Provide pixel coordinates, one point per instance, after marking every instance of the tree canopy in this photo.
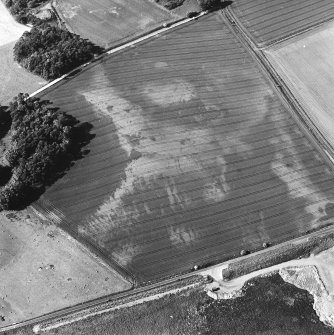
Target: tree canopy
(43, 144)
(20, 9)
(50, 51)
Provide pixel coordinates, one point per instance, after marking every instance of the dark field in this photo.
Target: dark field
(194, 159)
(269, 306)
(106, 22)
(271, 20)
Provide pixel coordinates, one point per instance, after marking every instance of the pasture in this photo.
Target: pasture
(106, 22)
(194, 158)
(271, 20)
(42, 269)
(13, 78)
(307, 67)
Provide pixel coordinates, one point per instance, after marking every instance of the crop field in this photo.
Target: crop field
(306, 64)
(194, 156)
(106, 22)
(271, 20)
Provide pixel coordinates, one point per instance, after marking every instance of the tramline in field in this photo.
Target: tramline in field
(270, 20)
(194, 159)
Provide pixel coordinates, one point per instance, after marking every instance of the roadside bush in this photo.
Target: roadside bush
(170, 4)
(43, 144)
(192, 14)
(51, 51)
(209, 4)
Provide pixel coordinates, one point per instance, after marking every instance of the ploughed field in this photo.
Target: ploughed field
(105, 22)
(271, 20)
(194, 159)
(306, 64)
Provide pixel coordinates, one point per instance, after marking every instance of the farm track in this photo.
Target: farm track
(270, 21)
(232, 137)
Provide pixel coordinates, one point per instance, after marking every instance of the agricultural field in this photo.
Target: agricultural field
(13, 78)
(194, 157)
(42, 269)
(106, 22)
(271, 20)
(306, 65)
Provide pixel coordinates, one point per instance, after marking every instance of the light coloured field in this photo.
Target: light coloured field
(306, 64)
(13, 78)
(106, 22)
(42, 269)
(10, 30)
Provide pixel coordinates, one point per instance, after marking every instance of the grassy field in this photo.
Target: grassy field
(271, 20)
(42, 269)
(13, 78)
(268, 306)
(194, 159)
(10, 30)
(307, 67)
(107, 22)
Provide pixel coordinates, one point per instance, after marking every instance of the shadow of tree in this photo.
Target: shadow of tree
(18, 194)
(217, 5)
(5, 121)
